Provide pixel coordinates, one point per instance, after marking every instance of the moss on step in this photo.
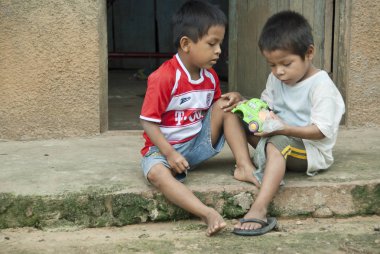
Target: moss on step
(103, 208)
(367, 199)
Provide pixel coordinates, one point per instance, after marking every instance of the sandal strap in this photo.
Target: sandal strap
(261, 222)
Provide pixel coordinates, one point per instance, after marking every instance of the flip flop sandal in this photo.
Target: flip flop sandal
(265, 227)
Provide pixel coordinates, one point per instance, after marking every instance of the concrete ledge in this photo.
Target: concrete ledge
(97, 208)
(97, 181)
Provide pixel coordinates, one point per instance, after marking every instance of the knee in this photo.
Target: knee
(219, 108)
(272, 151)
(157, 174)
(220, 101)
(219, 104)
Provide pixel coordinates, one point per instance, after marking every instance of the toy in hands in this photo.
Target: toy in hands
(253, 112)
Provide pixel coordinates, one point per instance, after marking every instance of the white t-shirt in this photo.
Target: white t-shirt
(315, 100)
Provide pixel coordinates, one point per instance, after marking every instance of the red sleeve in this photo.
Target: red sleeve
(158, 94)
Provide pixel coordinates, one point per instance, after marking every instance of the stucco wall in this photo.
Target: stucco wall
(53, 68)
(363, 81)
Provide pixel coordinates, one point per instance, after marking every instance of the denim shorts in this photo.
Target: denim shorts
(196, 150)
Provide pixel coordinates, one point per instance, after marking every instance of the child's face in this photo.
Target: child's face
(288, 67)
(206, 51)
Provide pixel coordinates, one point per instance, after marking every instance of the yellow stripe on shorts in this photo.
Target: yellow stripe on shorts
(294, 152)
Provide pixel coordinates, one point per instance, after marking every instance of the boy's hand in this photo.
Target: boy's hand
(269, 134)
(264, 134)
(231, 100)
(177, 162)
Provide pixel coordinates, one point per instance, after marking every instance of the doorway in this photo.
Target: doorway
(139, 41)
(248, 68)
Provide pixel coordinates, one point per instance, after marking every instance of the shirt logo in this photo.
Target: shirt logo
(183, 100)
(208, 99)
(179, 116)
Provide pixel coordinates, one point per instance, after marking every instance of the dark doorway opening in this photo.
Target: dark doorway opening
(139, 41)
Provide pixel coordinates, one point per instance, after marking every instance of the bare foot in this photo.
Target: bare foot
(246, 175)
(261, 215)
(214, 222)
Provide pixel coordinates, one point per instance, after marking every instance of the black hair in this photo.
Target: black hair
(194, 19)
(286, 30)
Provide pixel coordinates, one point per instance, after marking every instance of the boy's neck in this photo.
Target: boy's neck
(310, 72)
(191, 69)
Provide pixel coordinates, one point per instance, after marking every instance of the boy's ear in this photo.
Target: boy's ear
(184, 43)
(310, 52)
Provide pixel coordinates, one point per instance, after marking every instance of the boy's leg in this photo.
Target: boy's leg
(252, 139)
(283, 153)
(162, 178)
(273, 174)
(237, 140)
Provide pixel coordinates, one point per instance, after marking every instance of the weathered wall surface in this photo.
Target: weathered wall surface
(53, 68)
(363, 81)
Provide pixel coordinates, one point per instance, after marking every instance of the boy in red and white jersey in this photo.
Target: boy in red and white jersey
(177, 102)
(185, 118)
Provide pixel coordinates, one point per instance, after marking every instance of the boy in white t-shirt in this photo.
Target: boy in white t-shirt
(308, 103)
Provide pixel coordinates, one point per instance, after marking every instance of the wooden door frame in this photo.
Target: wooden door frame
(232, 46)
(341, 45)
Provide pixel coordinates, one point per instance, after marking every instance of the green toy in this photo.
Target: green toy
(253, 113)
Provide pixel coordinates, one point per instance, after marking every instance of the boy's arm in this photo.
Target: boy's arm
(311, 132)
(177, 162)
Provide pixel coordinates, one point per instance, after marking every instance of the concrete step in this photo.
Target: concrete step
(97, 181)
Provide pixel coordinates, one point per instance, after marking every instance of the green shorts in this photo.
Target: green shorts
(293, 150)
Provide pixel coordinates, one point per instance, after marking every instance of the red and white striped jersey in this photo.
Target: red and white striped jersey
(178, 103)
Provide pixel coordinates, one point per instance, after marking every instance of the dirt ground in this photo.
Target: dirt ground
(345, 235)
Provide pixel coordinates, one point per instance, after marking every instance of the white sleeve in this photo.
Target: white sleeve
(324, 108)
(267, 94)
